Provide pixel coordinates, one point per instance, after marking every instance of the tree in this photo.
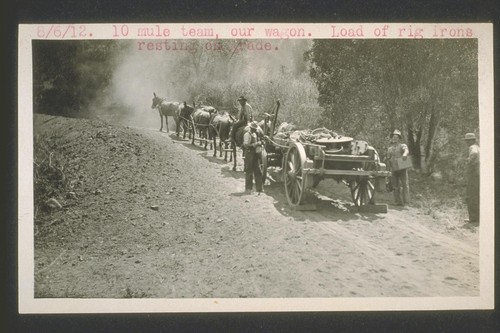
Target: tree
(69, 75)
(419, 86)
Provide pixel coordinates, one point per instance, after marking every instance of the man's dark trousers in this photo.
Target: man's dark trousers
(252, 169)
(472, 196)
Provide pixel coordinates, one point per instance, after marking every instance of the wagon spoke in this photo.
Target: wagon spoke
(367, 194)
(355, 190)
(363, 192)
(293, 193)
(371, 186)
(293, 164)
(298, 196)
(299, 187)
(296, 161)
(370, 191)
(359, 197)
(360, 193)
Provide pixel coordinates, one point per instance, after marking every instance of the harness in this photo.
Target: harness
(162, 99)
(191, 119)
(209, 125)
(198, 124)
(158, 106)
(217, 131)
(215, 128)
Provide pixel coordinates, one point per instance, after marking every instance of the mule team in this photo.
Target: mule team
(210, 123)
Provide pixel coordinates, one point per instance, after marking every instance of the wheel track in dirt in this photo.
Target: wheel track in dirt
(406, 266)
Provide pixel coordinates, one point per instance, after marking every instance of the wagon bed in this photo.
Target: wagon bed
(307, 157)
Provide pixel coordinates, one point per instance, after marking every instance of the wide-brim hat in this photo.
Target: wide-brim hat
(254, 125)
(470, 136)
(396, 132)
(242, 99)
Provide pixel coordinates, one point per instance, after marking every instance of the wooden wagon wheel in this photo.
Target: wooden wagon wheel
(295, 179)
(362, 191)
(263, 164)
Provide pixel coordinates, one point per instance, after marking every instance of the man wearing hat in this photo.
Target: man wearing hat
(245, 115)
(472, 192)
(399, 177)
(251, 144)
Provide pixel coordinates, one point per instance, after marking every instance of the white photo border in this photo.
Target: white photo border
(483, 32)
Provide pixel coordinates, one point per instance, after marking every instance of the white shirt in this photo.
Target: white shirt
(249, 138)
(246, 109)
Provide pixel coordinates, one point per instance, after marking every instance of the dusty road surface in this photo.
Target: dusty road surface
(157, 217)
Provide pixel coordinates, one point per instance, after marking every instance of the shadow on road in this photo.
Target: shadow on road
(316, 207)
(176, 138)
(227, 171)
(240, 194)
(209, 156)
(205, 153)
(188, 144)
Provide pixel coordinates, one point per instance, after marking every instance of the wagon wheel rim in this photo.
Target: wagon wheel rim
(294, 177)
(362, 191)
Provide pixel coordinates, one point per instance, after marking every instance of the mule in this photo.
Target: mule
(166, 109)
(201, 118)
(220, 125)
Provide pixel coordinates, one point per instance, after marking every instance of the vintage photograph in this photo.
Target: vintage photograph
(256, 168)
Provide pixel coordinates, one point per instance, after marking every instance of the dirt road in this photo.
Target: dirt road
(157, 217)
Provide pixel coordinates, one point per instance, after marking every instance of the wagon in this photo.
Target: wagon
(306, 157)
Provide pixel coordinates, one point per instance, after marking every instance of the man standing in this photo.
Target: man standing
(245, 115)
(399, 177)
(472, 192)
(251, 143)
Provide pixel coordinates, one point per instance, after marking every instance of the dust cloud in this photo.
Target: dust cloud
(186, 75)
